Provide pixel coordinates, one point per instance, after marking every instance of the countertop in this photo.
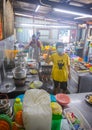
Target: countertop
(14, 90)
(84, 80)
(78, 101)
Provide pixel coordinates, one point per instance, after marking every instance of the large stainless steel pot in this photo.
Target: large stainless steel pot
(19, 82)
(21, 60)
(21, 64)
(19, 73)
(21, 54)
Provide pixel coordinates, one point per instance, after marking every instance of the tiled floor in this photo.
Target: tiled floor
(72, 89)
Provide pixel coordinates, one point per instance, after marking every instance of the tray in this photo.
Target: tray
(33, 71)
(87, 98)
(84, 124)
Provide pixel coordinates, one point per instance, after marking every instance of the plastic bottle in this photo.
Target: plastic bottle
(17, 105)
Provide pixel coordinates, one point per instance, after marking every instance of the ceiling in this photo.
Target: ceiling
(46, 9)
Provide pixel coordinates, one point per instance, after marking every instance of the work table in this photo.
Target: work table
(78, 101)
(16, 90)
(80, 81)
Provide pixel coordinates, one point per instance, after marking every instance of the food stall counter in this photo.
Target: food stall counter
(78, 101)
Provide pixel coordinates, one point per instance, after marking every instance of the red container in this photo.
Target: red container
(63, 99)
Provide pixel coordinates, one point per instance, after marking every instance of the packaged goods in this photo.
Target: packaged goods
(37, 113)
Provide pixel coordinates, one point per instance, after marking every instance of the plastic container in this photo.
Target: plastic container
(80, 117)
(52, 98)
(56, 122)
(17, 105)
(5, 122)
(63, 99)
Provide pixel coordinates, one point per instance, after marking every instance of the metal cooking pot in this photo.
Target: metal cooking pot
(21, 61)
(19, 82)
(21, 64)
(21, 54)
(19, 73)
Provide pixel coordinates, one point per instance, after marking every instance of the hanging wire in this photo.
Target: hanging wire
(44, 4)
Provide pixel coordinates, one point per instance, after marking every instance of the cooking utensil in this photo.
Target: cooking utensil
(19, 73)
(19, 82)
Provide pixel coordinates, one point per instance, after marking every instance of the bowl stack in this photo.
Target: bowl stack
(5, 107)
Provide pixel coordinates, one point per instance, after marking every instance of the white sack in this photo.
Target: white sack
(37, 113)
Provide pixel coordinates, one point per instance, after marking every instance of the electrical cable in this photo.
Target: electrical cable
(44, 4)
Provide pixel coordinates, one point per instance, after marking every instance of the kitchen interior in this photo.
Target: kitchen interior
(67, 21)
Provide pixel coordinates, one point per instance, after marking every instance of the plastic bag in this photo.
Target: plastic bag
(37, 113)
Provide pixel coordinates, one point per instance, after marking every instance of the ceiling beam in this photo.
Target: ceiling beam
(28, 12)
(30, 1)
(67, 7)
(49, 16)
(88, 6)
(61, 5)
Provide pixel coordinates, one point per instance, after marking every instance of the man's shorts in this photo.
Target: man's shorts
(63, 85)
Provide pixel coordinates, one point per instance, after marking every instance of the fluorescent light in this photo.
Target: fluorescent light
(55, 0)
(50, 19)
(30, 16)
(19, 14)
(42, 25)
(54, 26)
(76, 4)
(72, 12)
(37, 8)
(32, 25)
(81, 17)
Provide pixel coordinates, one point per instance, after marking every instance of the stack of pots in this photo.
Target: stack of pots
(20, 60)
(19, 75)
(5, 107)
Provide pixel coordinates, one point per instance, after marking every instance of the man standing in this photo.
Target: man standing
(34, 47)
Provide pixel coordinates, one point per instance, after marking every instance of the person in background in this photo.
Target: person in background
(61, 68)
(34, 47)
(38, 39)
(38, 35)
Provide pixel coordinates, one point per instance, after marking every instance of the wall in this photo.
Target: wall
(25, 28)
(7, 43)
(24, 31)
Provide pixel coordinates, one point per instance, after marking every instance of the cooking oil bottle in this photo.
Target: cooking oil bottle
(17, 105)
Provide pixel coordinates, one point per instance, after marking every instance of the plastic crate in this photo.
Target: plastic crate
(77, 113)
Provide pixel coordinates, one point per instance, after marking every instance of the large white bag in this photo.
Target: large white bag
(37, 113)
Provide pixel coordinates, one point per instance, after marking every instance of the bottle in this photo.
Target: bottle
(17, 105)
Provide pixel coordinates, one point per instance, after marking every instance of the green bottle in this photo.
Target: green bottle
(17, 105)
